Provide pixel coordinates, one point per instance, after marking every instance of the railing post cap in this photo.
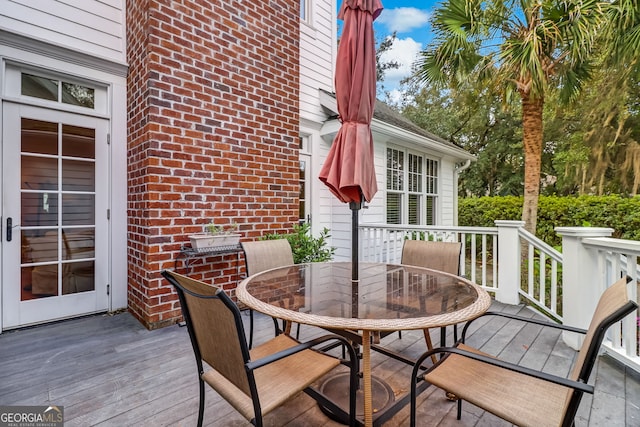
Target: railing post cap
(584, 231)
(508, 223)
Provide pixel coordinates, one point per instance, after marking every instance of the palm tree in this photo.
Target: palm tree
(623, 25)
(525, 47)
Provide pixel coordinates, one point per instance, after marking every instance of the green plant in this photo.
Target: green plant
(217, 230)
(305, 247)
(620, 213)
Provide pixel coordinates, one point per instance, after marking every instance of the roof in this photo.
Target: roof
(387, 115)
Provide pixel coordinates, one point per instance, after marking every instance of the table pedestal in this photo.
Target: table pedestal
(336, 388)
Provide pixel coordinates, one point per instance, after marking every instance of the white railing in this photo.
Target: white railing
(382, 242)
(618, 258)
(543, 280)
(565, 286)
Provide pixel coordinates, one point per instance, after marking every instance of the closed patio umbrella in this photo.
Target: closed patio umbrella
(349, 170)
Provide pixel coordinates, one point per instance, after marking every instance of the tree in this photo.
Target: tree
(383, 46)
(517, 47)
(472, 118)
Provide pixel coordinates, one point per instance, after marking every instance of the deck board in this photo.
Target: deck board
(108, 370)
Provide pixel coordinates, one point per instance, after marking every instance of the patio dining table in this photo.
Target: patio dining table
(386, 298)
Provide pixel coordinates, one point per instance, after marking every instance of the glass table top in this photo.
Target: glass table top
(386, 296)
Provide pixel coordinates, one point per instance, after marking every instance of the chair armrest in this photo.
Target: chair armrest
(255, 364)
(576, 385)
(545, 323)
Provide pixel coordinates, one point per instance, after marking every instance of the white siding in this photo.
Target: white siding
(95, 27)
(316, 58)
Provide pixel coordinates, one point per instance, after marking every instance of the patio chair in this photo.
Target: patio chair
(257, 381)
(442, 256)
(261, 255)
(520, 395)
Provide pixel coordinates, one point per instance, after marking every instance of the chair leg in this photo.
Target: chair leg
(276, 326)
(286, 326)
(459, 414)
(427, 338)
(250, 329)
(201, 405)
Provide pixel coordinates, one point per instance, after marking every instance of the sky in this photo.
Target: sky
(410, 18)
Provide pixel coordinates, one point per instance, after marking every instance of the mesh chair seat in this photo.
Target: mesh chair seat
(515, 397)
(520, 395)
(277, 382)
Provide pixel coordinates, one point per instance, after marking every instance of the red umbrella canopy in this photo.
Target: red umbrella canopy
(349, 170)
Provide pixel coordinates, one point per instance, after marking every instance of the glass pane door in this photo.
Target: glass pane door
(57, 209)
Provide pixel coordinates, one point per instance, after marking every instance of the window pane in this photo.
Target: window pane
(432, 177)
(78, 95)
(38, 137)
(414, 209)
(395, 169)
(39, 87)
(39, 173)
(39, 209)
(78, 243)
(394, 213)
(78, 142)
(415, 173)
(78, 209)
(78, 277)
(78, 175)
(302, 181)
(43, 248)
(430, 208)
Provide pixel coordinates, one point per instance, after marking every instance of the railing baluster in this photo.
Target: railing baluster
(554, 286)
(473, 257)
(530, 286)
(484, 260)
(542, 279)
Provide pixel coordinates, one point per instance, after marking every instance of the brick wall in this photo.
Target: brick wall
(213, 96)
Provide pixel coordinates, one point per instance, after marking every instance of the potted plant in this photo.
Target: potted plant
(215, 236)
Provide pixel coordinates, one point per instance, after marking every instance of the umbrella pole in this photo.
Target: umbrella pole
(355, 209)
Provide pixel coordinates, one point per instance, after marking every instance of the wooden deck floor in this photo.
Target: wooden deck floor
(109, 371)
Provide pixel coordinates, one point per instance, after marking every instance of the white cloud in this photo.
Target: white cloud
(404, 52)
(403, 19)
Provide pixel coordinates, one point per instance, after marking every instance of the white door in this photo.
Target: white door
(54, 215)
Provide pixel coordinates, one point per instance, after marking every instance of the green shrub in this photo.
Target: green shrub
(622, 214)
(305, 247)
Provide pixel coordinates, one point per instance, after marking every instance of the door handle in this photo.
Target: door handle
(9, 228)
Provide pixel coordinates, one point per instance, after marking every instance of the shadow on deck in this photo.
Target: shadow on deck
(110, 371)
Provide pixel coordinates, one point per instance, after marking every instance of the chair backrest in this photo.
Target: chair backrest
(261, 255)
(215, 328)
(613, 306)
(442, 256)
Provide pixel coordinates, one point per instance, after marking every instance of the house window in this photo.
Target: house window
(57, 90)
(305, 161)
(412, 188)
(305, 10)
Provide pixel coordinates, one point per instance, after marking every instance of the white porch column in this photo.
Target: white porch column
(580, 273)
(508, 261)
